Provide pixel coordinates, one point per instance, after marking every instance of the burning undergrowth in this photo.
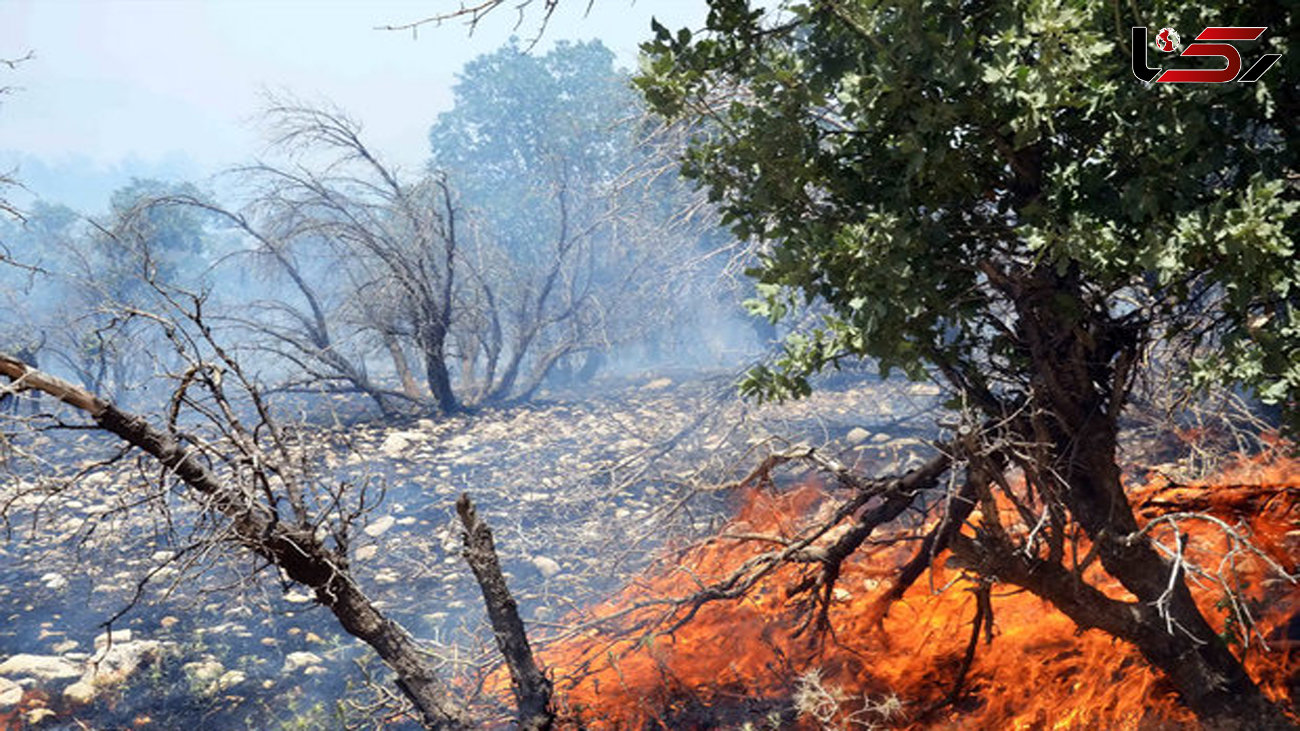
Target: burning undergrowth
(684, 646)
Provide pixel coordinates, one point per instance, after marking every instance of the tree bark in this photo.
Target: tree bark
(439, 378)
(1076, 394)
(532, 689)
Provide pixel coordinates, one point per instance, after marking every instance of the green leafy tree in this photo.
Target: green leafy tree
(984, 193)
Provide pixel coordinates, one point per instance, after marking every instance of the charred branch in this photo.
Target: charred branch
(532, 689)
(297, 551)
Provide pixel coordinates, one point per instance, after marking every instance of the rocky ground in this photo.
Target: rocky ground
(580, 490)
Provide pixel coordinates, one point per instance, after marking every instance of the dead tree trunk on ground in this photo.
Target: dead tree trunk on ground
(294, 549)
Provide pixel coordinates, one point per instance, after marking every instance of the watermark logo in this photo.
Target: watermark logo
(1167, 40)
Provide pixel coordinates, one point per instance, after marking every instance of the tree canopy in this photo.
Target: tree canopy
(895, 154)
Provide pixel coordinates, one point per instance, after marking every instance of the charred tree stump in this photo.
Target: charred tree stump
(532, 689)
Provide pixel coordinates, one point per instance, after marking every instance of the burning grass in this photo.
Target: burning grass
(752, 662)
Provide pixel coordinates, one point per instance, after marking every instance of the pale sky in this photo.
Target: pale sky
(133, 83)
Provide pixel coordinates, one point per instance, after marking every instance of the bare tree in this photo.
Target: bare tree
(403, 234)
(367, 257)
(373, 264)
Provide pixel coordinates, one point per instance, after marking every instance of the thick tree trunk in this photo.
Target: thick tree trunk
(1077, 395)
(439, 378)
(1210, 679)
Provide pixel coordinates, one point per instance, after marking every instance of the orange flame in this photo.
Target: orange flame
(746, 660)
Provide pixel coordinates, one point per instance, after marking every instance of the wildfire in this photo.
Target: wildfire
(752, 663)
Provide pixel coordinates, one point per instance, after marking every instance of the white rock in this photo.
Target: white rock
(545, 566)
(119, 636)
(295, 661)
(119, 662)
(203, 670)
(37, 715)
(297, 597)
(365, 553)
(80, 693)
(857, 435)
(41, 667)
(11, 694)
(394, 444)
(231, 679)
(379, 527)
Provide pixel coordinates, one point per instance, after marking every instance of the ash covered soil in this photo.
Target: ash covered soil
(580, 490)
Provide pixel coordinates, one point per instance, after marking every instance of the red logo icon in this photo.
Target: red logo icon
(1167, 40)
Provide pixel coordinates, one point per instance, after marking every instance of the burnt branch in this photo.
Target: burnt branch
(294, 548)
(532, 689)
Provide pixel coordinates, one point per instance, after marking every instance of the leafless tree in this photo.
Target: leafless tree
(403, 235)
(367, 257)
(605, 277)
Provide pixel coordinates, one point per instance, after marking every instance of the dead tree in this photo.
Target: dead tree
(402, 233)
(392, 246)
